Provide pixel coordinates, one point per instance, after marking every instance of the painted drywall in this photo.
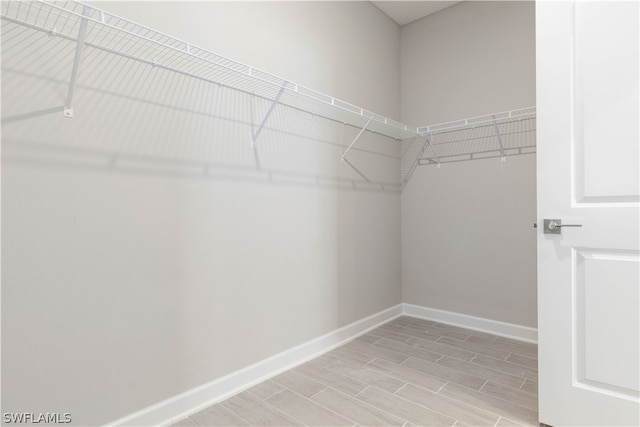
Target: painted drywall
(133, 270)
(468, 243)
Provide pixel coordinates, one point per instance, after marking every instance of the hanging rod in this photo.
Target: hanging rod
(120, 36)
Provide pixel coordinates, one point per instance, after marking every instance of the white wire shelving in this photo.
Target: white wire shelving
(87, 30)
(499, 135)
(96, 28)
(494, 135)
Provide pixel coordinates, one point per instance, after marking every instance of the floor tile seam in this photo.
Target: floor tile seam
(411, 355)
(514, 347)
(504, 400)
(372, 406)
(515, 365)
(238, 415)
(384, 374)
(321, 405)
(444, 350)
(520, 364)
(373, 332)
(347, 361)
(398, 329)
(392, 340)
(437, 329)
(494, 370)
(443, 386)
(524, 356)
(270, 405)
(459, 330)
(413, 331)
(318, 392)
(514, 388)
(515, 353)
(452, 338)
(454, 345)
(481, 350)
(270, 395)
(482, 409)
(533, 395)
(463, 403)
(369, 334)
(290, 388)
(524, 380)
(514, 341)
(505, 372)
(422, 406)
(392, 374)
(362, 391)
(327, 383)
(442, 378)
(498, 371)
(351, 375)
(400, 389)
(375, 356)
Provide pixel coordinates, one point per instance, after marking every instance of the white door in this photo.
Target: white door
(588, 163)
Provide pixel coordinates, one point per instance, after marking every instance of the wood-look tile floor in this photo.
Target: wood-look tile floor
(408, 372)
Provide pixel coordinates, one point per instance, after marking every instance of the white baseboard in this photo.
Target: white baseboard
(197, 399)
(508, 330)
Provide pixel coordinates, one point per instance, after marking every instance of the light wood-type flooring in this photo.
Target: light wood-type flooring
(408, 372)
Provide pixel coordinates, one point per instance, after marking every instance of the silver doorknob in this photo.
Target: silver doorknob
(554, 226)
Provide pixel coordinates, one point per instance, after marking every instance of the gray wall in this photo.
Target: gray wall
(468, 245)
(129, 282)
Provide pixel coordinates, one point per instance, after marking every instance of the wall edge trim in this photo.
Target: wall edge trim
(503, 329)
(191, 401)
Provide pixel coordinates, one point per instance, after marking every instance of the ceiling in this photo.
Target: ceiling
(404, 12)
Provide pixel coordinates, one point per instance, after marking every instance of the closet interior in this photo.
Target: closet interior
(178, 225)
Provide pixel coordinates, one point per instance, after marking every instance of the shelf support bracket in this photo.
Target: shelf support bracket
(418, 160)
(351, 146)
(82, 32)
(433, 150)
(503, 156)
(355, 140)
(266, 116)
(356, 169)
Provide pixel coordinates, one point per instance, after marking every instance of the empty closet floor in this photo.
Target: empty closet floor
(406, 372)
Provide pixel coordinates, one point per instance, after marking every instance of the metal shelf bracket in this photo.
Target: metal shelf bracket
(266, 116)
(356, 139)
(433, 150)
(351, 146)
(82, 33)
(503, 157)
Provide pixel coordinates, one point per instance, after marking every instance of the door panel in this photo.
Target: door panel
(588, 164)
(606, 102)
(607, 279)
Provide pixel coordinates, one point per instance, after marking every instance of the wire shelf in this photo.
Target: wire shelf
(494, 135)
(122, 37)
(224, 100)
